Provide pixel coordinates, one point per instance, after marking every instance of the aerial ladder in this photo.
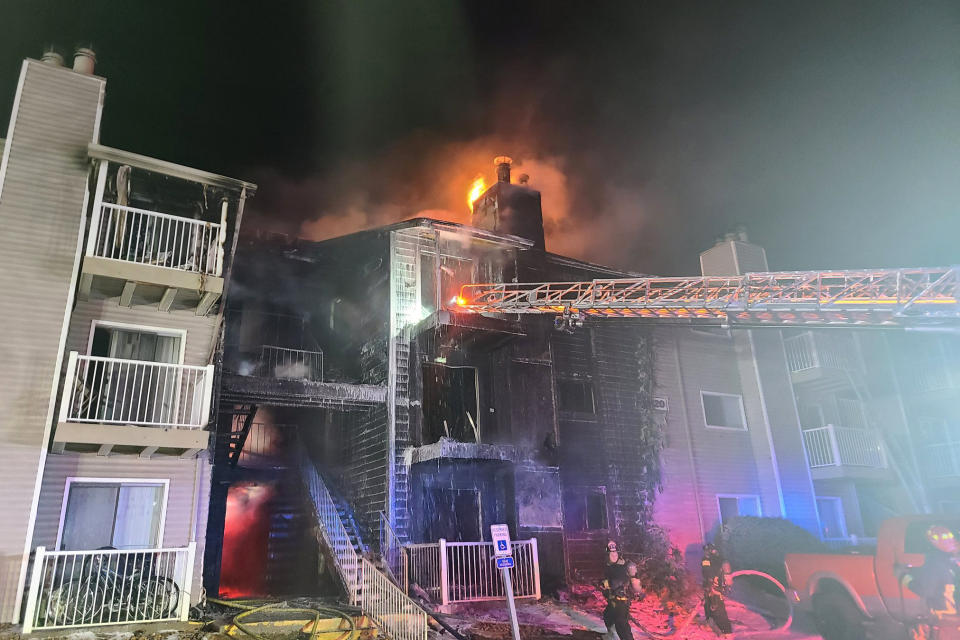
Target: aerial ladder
(920, 298)
(907, 298)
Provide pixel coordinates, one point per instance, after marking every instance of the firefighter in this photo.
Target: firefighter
(936, 581)
(619, 587)
(715, 570)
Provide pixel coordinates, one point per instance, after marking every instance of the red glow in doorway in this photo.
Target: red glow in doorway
(245, 535)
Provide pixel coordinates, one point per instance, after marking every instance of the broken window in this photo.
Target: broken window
(587, 510)
(723, 410)
(575, 395)
(450, 403)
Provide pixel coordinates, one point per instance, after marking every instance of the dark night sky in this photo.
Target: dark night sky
(830, 129)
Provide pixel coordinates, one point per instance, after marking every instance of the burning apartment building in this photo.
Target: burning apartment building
(113, 266)
(426, 426)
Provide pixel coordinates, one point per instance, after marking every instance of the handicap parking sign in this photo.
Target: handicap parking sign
(501, 540)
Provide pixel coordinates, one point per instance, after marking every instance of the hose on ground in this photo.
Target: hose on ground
(251, 607)
(743, 634)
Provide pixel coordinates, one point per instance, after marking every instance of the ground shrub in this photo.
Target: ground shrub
(761, 543)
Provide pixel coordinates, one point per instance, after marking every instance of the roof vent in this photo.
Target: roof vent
(84, 59)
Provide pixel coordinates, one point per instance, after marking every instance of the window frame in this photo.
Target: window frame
(743, 413)
(583, 493)
(838, 502)
(129, 326)
(588, 384)
(164, 482)
(738, 497)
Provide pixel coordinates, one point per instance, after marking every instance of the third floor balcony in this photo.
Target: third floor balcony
(821, 359)
(158, 232)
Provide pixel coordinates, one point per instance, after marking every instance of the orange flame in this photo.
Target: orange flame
(476, 190)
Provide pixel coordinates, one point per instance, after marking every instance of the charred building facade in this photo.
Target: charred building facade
(434, 425)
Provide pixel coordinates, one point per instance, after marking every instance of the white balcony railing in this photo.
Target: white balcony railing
(465, 571)
(812, 351)
(832, 446)
(941, 460)
(281, 362)
(135, 392)
(148, 237)
(84, 588)
(392, 552)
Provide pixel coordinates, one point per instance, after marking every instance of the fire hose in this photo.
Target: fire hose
(743, 634)
(251, 607)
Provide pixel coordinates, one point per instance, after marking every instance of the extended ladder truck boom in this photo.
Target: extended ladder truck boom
(921, 297)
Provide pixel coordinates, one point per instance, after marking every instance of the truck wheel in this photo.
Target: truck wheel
(837, 617)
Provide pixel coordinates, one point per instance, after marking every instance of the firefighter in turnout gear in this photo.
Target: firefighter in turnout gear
(620, 587)
(715, 569)
(937, 582)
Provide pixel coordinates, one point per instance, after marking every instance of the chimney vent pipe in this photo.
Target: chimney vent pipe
(503, 168)
(84, 60)
(52, 58)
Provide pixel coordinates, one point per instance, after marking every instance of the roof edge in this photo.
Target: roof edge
(101, 152)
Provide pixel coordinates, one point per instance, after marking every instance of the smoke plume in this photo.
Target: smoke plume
(423, 176)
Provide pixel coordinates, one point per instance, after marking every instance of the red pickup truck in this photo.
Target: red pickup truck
(851, 595)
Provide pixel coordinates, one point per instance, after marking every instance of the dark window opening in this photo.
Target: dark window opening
(587, 511)
(450, 403)
(575, 395)
(456, 515)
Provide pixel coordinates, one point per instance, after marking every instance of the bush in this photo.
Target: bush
(660, 564)
(761, 543)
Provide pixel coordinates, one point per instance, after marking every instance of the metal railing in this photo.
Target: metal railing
(281, 362)
(451, 572)
(155, 394)
(425, 569)
(941, 460)
(831, 446)
(148, 237)
(809, 351)
(393, 554)
(390, 607)
(334, 533)
(85, 588)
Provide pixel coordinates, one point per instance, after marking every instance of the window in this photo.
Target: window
(723, 410)
(450, 399)
(833, 524)
(731, 506)
(131, 342)
(126, 514)
(587, 510)
(575, 395)
(711, 332)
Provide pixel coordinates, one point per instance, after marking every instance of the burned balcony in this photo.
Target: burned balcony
(157, 233)
(114, 405)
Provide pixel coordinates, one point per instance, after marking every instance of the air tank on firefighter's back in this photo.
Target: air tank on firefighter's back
(508, 208)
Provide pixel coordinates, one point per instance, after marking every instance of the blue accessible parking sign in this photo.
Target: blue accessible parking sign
(504, 563)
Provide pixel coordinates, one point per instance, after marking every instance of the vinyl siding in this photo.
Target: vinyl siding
(723, 461)
(186, 514)
(41, 211)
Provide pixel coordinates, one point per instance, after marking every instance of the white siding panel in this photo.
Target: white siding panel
(41, 211)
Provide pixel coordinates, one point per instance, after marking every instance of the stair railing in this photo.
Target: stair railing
(393, 554)
(335, 535)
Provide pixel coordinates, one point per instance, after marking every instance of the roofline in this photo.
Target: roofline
(100, 152)
(451, 227)
(574, 262)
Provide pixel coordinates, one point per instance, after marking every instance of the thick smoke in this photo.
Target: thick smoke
(423, 176)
